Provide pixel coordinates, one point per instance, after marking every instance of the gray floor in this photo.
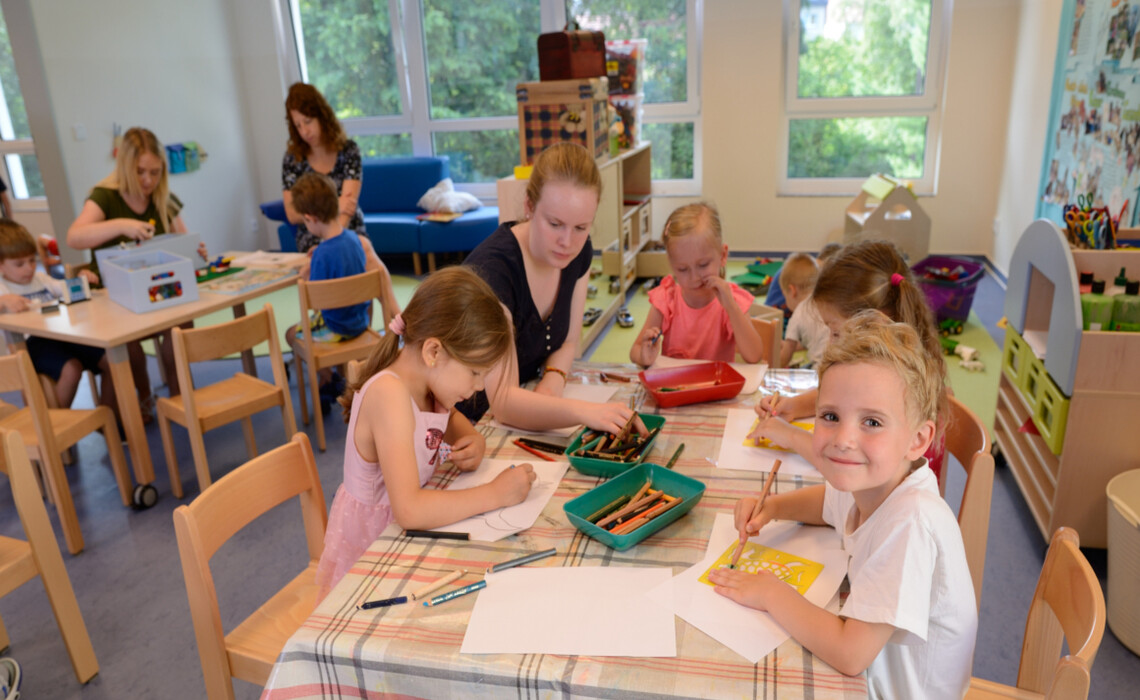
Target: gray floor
(130, 589)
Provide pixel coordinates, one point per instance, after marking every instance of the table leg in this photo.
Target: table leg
(130, 414)
(247, 361)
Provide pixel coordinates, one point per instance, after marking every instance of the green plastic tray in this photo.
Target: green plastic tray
(688, 489)
(601, 467)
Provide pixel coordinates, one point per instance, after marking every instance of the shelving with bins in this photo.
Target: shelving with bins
(1079, 389)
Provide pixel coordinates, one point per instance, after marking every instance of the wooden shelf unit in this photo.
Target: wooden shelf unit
(620, 230)
(1098, 371)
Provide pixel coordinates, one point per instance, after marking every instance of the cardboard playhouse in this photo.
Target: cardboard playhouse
(886, 209)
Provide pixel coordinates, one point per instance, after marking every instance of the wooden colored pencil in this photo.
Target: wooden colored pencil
(632, 524)
(536, 453)
(638, 500)
(756, 511)
(435, 586)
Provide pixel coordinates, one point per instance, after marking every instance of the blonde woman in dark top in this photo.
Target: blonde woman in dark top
(134, 203)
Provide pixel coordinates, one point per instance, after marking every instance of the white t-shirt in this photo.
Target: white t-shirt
(43, 288)
(808, 329)
(908, 569)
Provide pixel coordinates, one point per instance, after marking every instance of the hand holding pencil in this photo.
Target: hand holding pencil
(513, 484)
(748, 510)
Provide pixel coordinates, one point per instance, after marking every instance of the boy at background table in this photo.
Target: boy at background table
(910, 620)
(23, 287)
(315, 199)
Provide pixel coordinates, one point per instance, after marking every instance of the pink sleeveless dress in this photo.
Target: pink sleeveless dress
(361, 509)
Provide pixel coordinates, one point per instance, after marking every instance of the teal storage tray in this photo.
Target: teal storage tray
(579, 509)
(601, 467)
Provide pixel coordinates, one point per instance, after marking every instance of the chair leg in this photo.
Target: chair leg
(250, 440)
(431, 262)
(67, 615)
(65, 507)
(298, 364)
(417, 265)
(171, 458)
(5, 642)
(201, 465)
(115, 452)
(315, 388)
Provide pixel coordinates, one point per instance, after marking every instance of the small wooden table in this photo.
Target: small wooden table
(105, 324)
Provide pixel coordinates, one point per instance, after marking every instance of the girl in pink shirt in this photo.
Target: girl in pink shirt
(696, 313)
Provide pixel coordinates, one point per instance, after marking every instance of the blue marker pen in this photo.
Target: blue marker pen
(455, 594)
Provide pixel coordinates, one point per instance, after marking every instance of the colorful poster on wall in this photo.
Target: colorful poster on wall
(1093, 148)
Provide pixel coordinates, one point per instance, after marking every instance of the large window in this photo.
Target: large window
(864, 92)
(427, 77)
(21, 170)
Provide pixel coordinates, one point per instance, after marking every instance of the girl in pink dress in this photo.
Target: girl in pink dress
(401, 412)
(696, 313)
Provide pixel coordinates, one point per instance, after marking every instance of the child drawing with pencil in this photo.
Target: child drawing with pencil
(910, 620)
(401, 413)
(865, 275)
(696, 313)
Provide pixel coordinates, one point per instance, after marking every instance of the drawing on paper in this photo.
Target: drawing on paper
(765, 442)
(797, 572)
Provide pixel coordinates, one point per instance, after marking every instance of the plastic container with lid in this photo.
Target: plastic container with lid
(1126, 308)
(1096, 308)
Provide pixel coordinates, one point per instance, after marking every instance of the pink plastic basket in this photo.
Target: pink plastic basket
(948, 297)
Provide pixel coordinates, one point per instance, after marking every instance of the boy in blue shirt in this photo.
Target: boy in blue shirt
(337, 255)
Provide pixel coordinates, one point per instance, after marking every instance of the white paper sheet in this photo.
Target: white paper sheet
(734, 455)
(496, 524)
(752, 373)
(751, 633)
(594, 611)
(595, 393)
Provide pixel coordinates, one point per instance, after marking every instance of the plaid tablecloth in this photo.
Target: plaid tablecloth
(412, 651)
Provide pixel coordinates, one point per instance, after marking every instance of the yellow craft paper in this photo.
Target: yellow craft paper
(766, 443)
(797, 572)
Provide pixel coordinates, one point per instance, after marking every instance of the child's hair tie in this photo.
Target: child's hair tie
(896, 279)
(396, 325)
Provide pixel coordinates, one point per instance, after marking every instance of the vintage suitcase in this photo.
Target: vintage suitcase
(563, 110)
(571, 54)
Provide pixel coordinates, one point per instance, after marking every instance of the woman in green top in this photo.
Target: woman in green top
(134, 203)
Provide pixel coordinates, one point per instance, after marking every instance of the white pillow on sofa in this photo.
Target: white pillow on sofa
(444, 197)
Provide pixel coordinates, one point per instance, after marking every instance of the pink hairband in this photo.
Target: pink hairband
(896, 279)
(396, 325)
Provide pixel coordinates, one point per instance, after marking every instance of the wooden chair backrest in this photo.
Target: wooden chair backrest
(769, 330)
(29, 503)
(343, 291)
(18, 374)
(228, 338)
(1068, 605)
(227, 506)
(968, 440)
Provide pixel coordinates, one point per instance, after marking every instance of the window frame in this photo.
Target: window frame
(928, 105)
(415, 118)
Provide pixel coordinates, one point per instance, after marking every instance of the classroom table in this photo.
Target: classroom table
(102, 323)
(413, 652)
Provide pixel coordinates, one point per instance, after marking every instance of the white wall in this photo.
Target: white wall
(1028, 121)
(741, 85)
(167, 66)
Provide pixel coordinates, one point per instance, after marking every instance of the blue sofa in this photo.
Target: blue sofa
(392, 187)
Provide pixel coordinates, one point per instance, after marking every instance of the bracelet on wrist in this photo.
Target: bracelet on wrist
(548, 369)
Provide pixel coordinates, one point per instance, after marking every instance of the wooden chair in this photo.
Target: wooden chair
(969, 441)
(237, 499)
(771, 332)
(1068, 606)
(330, 294)
(201, 409)
(48, 432)
(21, 561)
(48, 384)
